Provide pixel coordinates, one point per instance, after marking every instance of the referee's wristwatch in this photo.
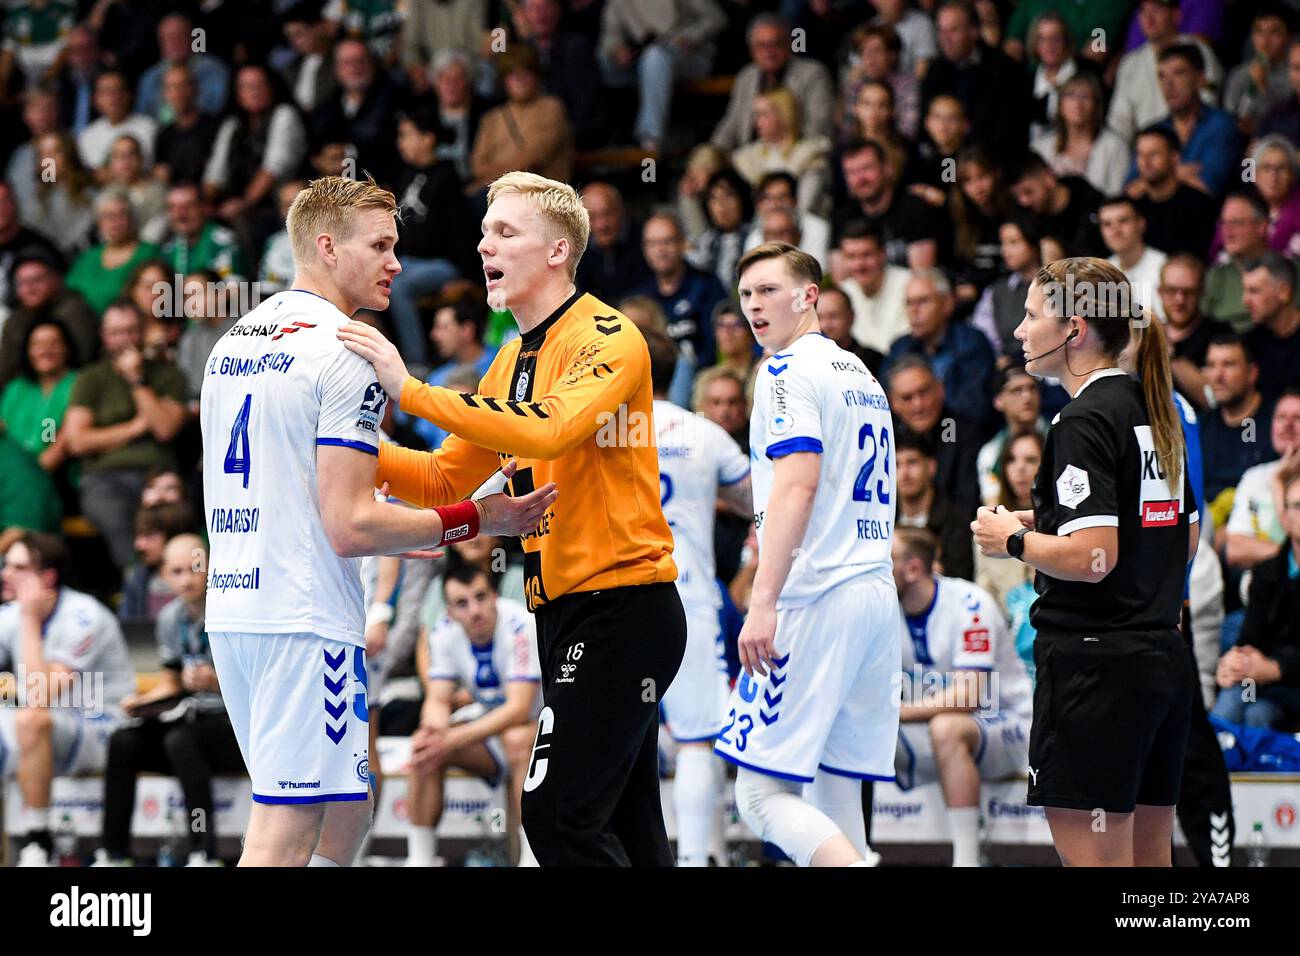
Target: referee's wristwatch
(1016, 543)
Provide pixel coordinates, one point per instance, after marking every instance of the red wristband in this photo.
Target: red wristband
(459, 522)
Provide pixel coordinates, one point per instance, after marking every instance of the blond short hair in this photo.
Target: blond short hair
(802, 266)
(329, 205)
(558, 203)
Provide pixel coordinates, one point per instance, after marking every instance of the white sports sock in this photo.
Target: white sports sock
(695, 793)
(32, 819)
(840, 798)
(526, 857)
(318, 860)
(964, 822)
(421, 845)
(718, 825)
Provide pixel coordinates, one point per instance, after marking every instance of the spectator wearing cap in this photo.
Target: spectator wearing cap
(613, 264)
(124, 413)
(1284, 118)
(1180, 218)
(113, 103)
(1243, 224)
(1260, 81)
(529, 131)
(41, 294)
(569, 66)
(773, 63)
(1138, 99)
(1208, 136)
(989, 85)
(62, 206)
(307, 72)
(657, 43)
(1269, 295)
(176, 45)
(436, 232)
(365, 104)
(100, 273)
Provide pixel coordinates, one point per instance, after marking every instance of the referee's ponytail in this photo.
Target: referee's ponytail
(1095, 290)
(1157, 380)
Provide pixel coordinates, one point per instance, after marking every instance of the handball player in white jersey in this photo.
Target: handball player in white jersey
(699, 466)
(815, 711)
(290, 439)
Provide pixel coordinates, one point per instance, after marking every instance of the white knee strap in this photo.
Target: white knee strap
(772, 808)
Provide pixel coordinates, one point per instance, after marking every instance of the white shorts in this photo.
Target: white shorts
(830, 701)
(1003, 750)
(695, 704)
(495, 747)
(80, 742)
(297, 703)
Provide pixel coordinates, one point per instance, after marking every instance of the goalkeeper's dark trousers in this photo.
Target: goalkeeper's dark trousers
(1205, 800)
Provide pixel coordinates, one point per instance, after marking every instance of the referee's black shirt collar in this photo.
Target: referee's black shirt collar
(535, 335)
(1104, 373)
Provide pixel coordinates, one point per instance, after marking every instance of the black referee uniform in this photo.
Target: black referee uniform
(1114, 689)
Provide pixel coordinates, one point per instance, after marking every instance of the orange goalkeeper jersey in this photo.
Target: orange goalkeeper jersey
(572, 400)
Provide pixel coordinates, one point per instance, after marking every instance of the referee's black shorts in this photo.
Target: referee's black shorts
(1111, 712)
(591, 797)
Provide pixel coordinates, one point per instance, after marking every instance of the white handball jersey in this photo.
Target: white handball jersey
(82, 635)
(484, 670)
(814, 396)
(964, 630)
(276, 386)
(695, 457)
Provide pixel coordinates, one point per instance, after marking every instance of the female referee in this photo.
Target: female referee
(1110, 540)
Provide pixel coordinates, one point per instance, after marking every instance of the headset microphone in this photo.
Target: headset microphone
(1035, 358)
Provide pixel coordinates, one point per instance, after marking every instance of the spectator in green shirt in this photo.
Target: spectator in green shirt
(1081, 16)
(33, 405)
(124, 413)
(195, 241)
(28, 499)
(100, 273)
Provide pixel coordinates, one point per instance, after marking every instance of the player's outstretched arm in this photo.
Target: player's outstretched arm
(545, 428)
(358, 525)
(437, 478)
(794, 488)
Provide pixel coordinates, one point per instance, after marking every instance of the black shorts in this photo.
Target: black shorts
(591, 797)
(1111, 712)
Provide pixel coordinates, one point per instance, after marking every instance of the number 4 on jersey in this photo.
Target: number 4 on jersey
(237, 457)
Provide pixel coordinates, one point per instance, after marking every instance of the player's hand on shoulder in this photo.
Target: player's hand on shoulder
(370, 344)
(501, 514)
